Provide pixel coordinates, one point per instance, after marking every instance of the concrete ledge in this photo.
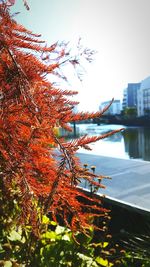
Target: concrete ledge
(130, 183)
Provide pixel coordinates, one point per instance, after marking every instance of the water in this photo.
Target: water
(131, 143)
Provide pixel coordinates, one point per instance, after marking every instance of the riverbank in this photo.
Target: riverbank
(118, 119)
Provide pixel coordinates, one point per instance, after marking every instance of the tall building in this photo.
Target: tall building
(114, 109)
(144, 98)
(124, 101)
(130, 95)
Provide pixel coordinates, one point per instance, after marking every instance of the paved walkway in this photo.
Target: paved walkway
(130, 181)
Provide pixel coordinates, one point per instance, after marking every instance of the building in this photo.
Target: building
(124, 101)
(143, 105)
(130, 95)
(114, 109)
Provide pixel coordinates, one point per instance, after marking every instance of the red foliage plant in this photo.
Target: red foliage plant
(30, 109)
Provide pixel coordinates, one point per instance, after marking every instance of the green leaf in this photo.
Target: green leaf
(88, 260)
(45, 219)
(103, 262)
(14, 236)
(105, 244)
(50, 235)
(59, 230)
(53, 223)
(8, 264)
(66, 237)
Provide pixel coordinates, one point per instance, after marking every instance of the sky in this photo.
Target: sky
(119, 30)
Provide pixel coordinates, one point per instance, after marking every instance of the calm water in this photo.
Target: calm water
(132, 142)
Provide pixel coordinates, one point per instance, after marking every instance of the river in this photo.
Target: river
(131, 143)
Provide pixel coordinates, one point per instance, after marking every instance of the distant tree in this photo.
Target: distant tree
(130, 112)
(147, 111)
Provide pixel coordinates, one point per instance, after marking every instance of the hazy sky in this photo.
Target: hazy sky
(119, 30)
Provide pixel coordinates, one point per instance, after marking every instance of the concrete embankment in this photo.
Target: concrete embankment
(130, 179)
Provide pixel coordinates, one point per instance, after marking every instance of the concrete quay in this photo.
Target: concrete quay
(130, 179)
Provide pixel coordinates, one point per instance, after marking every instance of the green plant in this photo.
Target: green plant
(57, 246)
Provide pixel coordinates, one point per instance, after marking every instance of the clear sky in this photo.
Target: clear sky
(119, 30)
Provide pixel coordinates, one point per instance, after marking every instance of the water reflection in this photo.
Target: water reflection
(137, 142)
(132, 142)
